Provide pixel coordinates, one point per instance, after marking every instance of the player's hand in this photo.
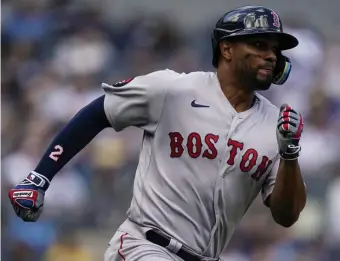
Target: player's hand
(288, 132)
(27, 198)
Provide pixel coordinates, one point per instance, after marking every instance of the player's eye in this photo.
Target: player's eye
(275, 49)
(264, 46)
(261, 45)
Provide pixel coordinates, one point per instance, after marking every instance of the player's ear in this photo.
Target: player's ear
(226, 50)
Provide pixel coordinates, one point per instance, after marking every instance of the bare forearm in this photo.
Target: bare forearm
(289, 194)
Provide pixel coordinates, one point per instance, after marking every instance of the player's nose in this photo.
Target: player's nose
(271, 57)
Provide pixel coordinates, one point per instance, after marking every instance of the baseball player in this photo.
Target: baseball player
(211, 144)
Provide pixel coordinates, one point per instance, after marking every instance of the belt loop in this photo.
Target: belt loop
(174, 246)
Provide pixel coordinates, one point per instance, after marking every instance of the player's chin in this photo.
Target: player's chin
(264, 83)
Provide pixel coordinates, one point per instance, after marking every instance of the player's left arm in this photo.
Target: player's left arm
(288, 196)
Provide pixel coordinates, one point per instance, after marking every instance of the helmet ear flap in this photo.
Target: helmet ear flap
(282, 69)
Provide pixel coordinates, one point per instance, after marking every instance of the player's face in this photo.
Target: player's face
(255, 60)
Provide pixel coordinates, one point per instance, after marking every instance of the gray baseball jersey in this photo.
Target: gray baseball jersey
(201, 163)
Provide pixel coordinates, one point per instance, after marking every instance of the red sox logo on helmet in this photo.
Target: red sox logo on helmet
(276, 19)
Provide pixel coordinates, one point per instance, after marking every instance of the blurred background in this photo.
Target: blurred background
(56, 53)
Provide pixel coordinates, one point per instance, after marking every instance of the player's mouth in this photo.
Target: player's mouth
(266, 70)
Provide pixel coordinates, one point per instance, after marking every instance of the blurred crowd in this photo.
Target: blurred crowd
(55, 55)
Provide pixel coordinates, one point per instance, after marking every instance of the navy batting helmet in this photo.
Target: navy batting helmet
(254, 20)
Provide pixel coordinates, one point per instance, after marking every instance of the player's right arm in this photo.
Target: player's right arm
(136, 102)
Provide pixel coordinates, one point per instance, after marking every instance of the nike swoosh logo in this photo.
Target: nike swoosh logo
(196, 105)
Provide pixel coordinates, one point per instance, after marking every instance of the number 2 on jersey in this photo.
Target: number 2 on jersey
(56, 153)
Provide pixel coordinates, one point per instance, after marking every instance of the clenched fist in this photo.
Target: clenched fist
(288, 132)
(27, 198)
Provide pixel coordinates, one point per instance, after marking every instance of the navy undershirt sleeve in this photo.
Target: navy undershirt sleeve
(81, 129)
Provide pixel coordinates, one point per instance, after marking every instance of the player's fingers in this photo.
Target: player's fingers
(28, 215)
(289, 118)
(16, 209)
(285, 124)
(287, 110)
(283, 106)
(284, 128)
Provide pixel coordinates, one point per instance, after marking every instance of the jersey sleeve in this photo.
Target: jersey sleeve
(268, 185)
(137, 101)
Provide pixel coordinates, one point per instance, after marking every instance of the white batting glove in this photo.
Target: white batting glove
(288, 132)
